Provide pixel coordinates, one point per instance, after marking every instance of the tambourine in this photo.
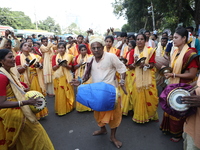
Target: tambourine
(164, 70)
(36, 109)
(30, 62)
(141, 60)
(123, 60)
(61, 62)
(83, 63)
(170, 100)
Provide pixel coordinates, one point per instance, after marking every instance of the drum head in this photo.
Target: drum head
(174, 99)
(140, 61)
(36, 109)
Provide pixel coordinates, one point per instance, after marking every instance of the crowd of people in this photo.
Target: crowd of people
(131, 63)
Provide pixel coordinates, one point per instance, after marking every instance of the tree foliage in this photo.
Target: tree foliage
(18, 20)
(73, 28)
(15, 19)
(49, 25)
(167, 14)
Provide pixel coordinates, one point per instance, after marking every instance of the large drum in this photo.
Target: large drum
(36, 109)
(97, 96)
(170, 100)
(161, 61)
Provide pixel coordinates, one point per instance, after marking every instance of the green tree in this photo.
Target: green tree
(49, 25)
(167, 13)
(15, 19)
(73, 28)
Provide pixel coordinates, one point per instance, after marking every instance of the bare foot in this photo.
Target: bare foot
(117, 143)
(173, 139)
(99, 132)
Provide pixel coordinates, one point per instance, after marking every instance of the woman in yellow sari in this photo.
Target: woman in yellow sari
(31, 75)
(127, 99)
(144, 91)
(19, 128)
(64, 92)
(109, 46)
(79, 66)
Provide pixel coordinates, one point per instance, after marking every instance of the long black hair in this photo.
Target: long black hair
(109, 37)
(3, 53)
(81, 46)
(182, 32)
(144, 36)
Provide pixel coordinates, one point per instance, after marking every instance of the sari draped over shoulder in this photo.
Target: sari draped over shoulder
(179, 63)
(19, 127)
(144, 92)
(112, 50)
(64, 92)
(127, 99)
(33, 77)
(47, 53)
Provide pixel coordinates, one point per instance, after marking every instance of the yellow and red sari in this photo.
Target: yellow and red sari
(17, 132)
(144, 96)
(79, 73)
(64, 92)
(127, 99)
(112, 50)
(33, 77)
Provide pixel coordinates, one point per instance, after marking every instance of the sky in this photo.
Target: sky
(94, 14)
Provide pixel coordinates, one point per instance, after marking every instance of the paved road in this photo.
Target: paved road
(74, 132)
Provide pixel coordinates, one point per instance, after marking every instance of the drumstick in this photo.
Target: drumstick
(192, 89)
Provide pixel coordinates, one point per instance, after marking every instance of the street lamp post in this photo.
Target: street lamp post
(153, 16)
(150, 10)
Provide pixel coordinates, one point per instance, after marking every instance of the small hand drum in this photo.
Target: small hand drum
(170, 100)
(36, 109)
(174, 99)
(141, 60)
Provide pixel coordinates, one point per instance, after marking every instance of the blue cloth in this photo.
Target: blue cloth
(169, 47)
(35, 40)
(97, 96)
(197, 45)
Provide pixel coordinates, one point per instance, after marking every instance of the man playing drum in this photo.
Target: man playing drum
(191, 128)
(103, 69)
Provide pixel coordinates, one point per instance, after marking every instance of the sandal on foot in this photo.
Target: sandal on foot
(173, 139)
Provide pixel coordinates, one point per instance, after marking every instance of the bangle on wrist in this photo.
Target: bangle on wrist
(80, 80)
(174, 75)
(19, 103)
(148, 65)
